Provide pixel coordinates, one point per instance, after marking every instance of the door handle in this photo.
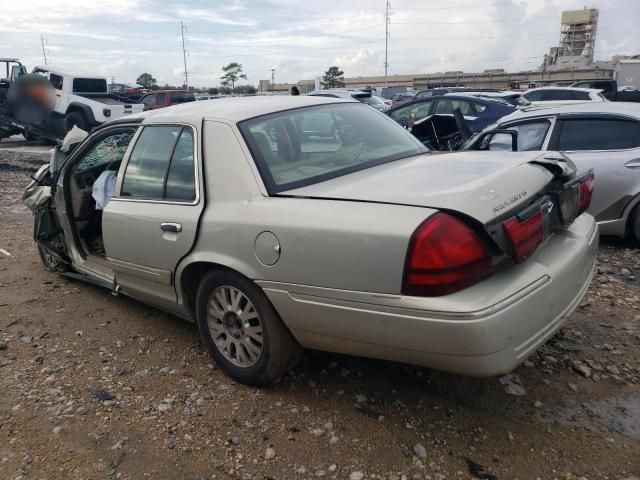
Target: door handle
(635, 164)
(171, 227)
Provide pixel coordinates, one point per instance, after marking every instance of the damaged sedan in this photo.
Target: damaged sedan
(282, 223)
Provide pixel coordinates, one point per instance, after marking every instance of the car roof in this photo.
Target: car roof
(621, 108)
(166, 91)
(451, 96)
(576, 89)
(68, 73)
(235, 109)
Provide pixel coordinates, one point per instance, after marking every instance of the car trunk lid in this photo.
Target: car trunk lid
(484, 186)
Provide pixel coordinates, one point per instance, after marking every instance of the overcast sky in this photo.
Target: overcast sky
(300, 38)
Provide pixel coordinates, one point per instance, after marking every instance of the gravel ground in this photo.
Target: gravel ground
(93, 386)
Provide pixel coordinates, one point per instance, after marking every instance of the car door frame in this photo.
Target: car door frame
(62, 203)
(512, 123)
(147, 273)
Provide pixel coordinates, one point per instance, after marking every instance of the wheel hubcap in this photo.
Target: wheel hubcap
(235, 327)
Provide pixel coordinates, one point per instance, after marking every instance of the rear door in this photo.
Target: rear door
(609, 144)
(151, 222)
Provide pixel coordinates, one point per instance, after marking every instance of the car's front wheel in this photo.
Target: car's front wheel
(242, 330)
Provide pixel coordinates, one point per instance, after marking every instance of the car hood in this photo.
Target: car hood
(483, 185)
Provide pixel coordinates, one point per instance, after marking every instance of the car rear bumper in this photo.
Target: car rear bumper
(485, 330)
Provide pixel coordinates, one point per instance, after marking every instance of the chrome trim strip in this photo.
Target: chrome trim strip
(155, 275)
(386, 309)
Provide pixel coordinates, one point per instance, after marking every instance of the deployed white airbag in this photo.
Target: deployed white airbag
(103, 188)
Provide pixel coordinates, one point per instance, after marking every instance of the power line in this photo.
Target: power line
(184, 56)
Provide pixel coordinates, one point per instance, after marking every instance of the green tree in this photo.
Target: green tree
(147, 81)
(333, 78)
(232, 73)
(213, 91)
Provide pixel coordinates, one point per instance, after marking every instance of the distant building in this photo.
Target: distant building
(577, 41)
(571, 61)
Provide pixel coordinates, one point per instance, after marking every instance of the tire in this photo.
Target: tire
(30, 137)
(233, 342)
(634, 224)
(76, 118)
(50, 263)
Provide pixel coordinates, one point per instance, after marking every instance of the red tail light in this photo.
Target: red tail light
(526, 235)
(444, 256)
(586, 192)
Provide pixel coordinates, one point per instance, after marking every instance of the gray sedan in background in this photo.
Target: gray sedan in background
(602, 136)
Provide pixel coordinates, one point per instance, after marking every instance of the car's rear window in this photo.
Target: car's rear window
(305, 146)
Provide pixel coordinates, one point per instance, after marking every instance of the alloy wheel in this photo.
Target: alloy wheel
(235, 326)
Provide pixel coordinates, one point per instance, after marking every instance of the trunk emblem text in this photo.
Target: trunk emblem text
(511, 200)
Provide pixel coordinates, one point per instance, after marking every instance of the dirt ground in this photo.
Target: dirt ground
(93, 386)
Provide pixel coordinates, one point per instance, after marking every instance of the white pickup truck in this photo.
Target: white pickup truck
(84, 100)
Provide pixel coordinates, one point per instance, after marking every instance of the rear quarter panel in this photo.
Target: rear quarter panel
(329, 243)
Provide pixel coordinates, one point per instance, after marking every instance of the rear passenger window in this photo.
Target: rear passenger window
(161, 165)
(599, 134)
(448, 106)
(181, 183)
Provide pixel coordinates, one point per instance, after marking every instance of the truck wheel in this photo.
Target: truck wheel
(242, 331)
(30, 137)
(75, 118)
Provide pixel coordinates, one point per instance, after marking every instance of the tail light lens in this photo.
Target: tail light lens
(526, 235)
(586, 192)
(445, 256)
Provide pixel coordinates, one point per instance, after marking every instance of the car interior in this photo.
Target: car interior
(99, 164)
(295, 147)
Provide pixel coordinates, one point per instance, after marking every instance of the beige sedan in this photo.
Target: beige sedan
(288, 222)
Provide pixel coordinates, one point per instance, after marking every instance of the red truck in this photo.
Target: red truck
(166, 98)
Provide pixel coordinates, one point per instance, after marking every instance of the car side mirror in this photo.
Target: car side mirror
(485, 139)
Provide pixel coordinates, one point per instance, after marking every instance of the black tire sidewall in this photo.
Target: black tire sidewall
(257, 374)
(75, 118)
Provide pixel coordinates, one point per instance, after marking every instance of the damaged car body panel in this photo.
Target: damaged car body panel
(281, 223)
(600, 136)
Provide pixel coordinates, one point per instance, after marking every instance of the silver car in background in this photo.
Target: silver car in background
(277, 223)
(363, 96)
(604, 137)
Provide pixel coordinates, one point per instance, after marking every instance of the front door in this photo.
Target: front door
(151, 222)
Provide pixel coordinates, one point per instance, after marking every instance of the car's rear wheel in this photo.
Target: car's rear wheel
(635, 224)
(242, 330)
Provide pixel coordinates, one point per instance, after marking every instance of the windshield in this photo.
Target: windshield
(305, 146)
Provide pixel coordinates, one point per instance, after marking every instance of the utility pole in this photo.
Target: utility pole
(44, 50)
(386, 44)
(184, 56)
(273, 77)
